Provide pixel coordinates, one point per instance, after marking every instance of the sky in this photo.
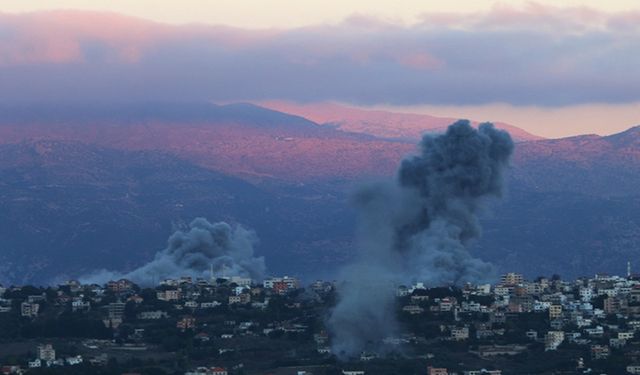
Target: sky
(288, 13)
(554, 68)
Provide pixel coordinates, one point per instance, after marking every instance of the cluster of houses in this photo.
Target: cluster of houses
(600, 314)
(444, 371)
(207, 371)
(175, 301)
(45, 357)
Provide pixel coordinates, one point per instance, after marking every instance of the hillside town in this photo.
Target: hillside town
(233, 325)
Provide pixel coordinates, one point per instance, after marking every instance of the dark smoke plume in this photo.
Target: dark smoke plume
(194, 252)
(417, 229)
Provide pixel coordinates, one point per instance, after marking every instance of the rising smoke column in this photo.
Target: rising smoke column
(193, 252)
(418, 229)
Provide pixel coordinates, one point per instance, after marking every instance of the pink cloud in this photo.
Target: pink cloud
(532, 55)
(421, 60)
(61, 36)
(532, 16)
(627, 21)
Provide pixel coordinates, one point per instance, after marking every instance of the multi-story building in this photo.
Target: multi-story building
(29, 310)
(553, 339)
(80, 305)
(483, 372)
(46, 353)
(615, 305)
(600, 352)
(555, 311)
(240, 281)
(169, 295)
(625, 335)
(122, 285)
(242, 299)
(187, 322)
(290, 282)
(511, 278)
(437, 371)
(152, 315)
(586, 293)
(460, 333)
(115, 310)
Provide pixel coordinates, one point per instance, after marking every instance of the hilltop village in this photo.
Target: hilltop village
(233, 325)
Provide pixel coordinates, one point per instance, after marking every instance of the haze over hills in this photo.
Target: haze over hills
(122, 176)
(68, 208)
(605, 166)
(384, 124)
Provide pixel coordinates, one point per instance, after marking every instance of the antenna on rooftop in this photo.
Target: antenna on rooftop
(628, 269)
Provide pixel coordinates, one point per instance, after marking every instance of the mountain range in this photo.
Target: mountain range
(93, 186)
(384, 124)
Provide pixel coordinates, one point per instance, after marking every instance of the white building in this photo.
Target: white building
(483, 372)
(80, 305)
(539, 306)
(290, 282)
(152, 315)
(586, 294)
(512, 278)
(595, 332)
(72, 361)
(29, 310)
(209, 305)
(460, 334)
(241, 281)
(625, 335)
(168, 295)
(46, 353)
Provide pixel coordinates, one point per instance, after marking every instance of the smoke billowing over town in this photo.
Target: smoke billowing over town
(286, 187)
(197, 251)
(418, 229)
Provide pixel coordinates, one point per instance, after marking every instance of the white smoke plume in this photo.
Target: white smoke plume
(194, 252)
